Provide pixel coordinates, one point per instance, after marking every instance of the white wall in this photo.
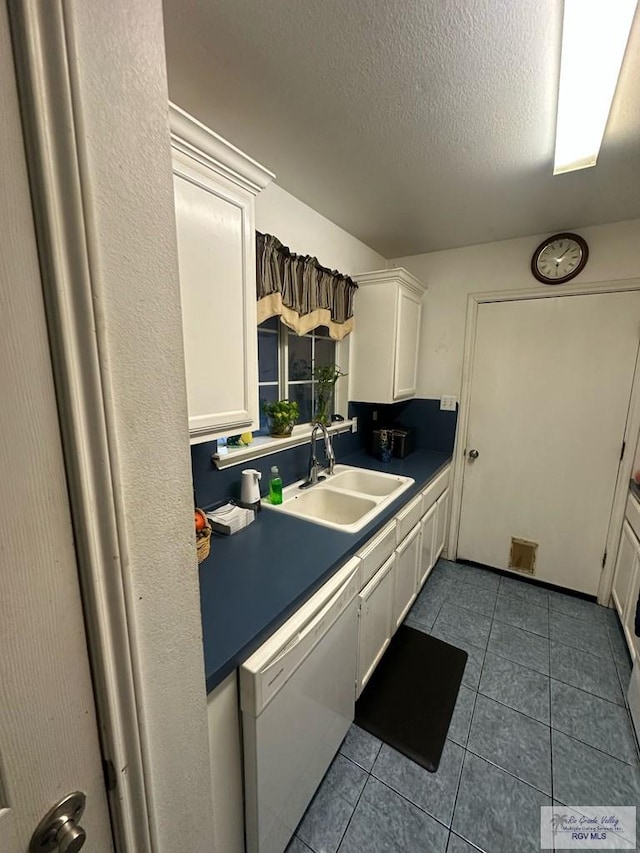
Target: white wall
(307, 232)
(121, 103)
(451, 275)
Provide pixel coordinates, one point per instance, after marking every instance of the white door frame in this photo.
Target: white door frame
(631, 430)
(40, 45)
(47, 70)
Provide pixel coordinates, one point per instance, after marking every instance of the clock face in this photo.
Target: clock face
(559, 258)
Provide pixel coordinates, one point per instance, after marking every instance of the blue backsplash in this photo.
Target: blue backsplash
(435, 430)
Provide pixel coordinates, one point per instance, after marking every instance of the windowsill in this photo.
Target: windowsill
(263, 445)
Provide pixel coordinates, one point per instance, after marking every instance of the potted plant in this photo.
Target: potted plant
(325, 376)
(282, 416)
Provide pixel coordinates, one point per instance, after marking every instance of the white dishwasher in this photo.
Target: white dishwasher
(297, 695)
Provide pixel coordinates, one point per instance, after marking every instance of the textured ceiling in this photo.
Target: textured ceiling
(416, 125)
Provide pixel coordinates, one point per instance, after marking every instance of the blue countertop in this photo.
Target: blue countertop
(253, 581)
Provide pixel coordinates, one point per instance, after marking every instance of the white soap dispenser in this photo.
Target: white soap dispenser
(249, 488)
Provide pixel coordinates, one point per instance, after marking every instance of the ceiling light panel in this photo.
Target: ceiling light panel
(594, 39)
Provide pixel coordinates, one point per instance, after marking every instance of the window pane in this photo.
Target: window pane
(299, 357)
(302, 395)
(268, 394)
(325, 351)
(322, 331)
(272, 323)
(267, 356)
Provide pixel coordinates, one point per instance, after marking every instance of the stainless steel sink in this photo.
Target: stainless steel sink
(347, 500)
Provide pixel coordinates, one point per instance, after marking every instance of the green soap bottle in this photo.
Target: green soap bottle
(275, 486)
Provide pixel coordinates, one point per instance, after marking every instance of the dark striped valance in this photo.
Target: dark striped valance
(301, 291)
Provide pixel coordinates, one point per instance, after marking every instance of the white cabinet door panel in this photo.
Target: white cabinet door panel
(374, 627)
(427, 543)
(384, 349)
(406, 573)
(214, 224)
(435, 489)
(633, 642)
(408, 517)
(627, 559)
(407, 338)
(376, 552)
(442, 522)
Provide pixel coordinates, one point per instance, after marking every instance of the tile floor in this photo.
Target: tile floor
(540, 719)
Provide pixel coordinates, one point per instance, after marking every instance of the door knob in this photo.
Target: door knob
(70, 837)
(473, 454)
(58, 830)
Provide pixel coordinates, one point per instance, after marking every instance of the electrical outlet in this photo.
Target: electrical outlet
(448, 403)
(354, 425)
(374, 416)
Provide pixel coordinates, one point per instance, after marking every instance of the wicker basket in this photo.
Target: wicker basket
(203, 540)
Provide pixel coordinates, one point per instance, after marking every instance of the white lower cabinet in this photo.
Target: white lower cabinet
(374, 626)
(427, 545)
(376, 551)
(407, 518)
(626, 577)
(225, 753)
(406, 575)
(625, 567)
(630, 618)
(442, 522)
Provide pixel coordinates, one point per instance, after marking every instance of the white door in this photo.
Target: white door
(48, 731)
(550, 394)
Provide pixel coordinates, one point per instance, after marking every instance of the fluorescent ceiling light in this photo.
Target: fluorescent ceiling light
(594, 38)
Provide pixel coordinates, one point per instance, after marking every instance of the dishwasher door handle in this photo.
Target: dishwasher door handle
(271, 677)
(313, 623)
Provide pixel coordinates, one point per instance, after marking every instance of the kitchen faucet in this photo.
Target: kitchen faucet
(315, 468)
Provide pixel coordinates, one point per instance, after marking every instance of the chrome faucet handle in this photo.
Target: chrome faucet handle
(329, 452)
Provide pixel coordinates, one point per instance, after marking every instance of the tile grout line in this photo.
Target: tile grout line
(511, 625)
(634, 735)
(465, 752)
(597, 749)
(516, 710)
(509, 772)
(353, 811)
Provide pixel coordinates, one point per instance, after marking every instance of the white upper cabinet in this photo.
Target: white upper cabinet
(386, 339)
(215, 186)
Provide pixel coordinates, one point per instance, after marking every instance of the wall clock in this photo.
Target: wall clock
(559, 258)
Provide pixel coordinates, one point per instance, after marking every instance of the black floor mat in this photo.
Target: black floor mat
(409, 700)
